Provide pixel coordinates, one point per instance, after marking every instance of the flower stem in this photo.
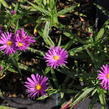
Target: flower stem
(54, 78)
(15, 63)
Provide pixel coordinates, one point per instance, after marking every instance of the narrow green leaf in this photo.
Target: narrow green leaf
(45, 36)
(47, 70)
(69, 44)
(25, 67)
(15, 63)
(49, 93)
(102, 98)
(59, 42)
(102, 31)
(54, 78)
(92, 58)
(100, 34)
(69, 35)
(82, 96)
(36, 51)
(66, 10)
(52, 4)
(4, 3)
(75, 50)
(40, 9)
(93, 92)
(66, 71)
(102, 9)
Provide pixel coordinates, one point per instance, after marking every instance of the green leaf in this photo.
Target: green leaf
(66, 71)
(49, 93)
(54, 78)
(25, 67)
(47, 70)
(52, 4)
(93, 92)
(73, 51)
(59, 42)
(102, 31)
(4, 3)
(102, 9)
(40, 9)
(15, 63)
(81, 96)
(66, 10)
(92, 57)
(69, 35)
(102, 98)
(69, 44)
(100, 34)
(45, 36)
(36, 51)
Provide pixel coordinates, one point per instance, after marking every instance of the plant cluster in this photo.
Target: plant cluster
(53, 47)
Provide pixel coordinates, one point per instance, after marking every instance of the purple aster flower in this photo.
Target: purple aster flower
(7, 43)
(103, 76)
(20, 43)
(13, 12)
(36, 85)
(23, 40)
(56, 56)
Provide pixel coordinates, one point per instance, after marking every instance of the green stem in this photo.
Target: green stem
(54, 78)
(15, 63)
(36, 51)
(102, 98)
(92, 58)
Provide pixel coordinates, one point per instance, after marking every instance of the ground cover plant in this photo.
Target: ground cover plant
(52, 47)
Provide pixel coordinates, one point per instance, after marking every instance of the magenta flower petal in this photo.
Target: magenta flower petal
(56, 56)
(30, 80)
(103, 76)
(23, 40)
(7, 43)
(36, 85)
(13, 12)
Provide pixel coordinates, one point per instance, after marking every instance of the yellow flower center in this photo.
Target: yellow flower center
(38, 87)
(9, 43)
(107, 76)
(20, 44)
(56, 58)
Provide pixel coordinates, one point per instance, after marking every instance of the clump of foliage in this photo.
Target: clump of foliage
(57, 39)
